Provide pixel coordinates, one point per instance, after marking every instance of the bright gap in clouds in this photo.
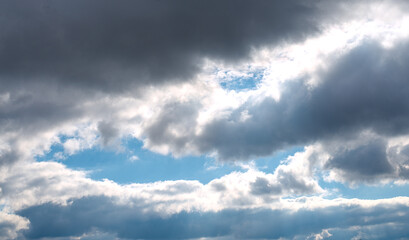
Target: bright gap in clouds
(238, 83)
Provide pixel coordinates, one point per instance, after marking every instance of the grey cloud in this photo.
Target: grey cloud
(108, 132)
(365, 89)
(108, 46)
(286, 183)
(218, 186)
(296, 185)
(87, 214)
(262, 187)
(8, 157)
(401, 158)
(404, 171)
(364, 157)
(367, 162)
(173, 117)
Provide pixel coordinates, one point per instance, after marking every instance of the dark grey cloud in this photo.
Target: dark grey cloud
(87, 214)
(367, 89)
(367, 159)
(367, 162)
(110, 46)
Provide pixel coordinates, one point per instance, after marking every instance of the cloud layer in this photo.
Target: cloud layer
(85, 214)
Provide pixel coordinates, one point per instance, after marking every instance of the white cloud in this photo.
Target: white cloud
(133, 158)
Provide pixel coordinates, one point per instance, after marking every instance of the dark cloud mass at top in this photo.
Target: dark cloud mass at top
(108, 46)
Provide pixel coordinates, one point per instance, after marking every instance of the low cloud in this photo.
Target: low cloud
(85, 214)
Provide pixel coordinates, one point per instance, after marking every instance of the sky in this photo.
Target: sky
(210, 120)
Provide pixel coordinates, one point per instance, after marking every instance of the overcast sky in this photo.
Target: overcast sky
(211, 119)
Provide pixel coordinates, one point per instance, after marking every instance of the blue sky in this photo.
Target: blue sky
(150, 167)
(210, 119)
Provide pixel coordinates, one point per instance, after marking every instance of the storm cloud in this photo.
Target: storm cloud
(101, 45)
